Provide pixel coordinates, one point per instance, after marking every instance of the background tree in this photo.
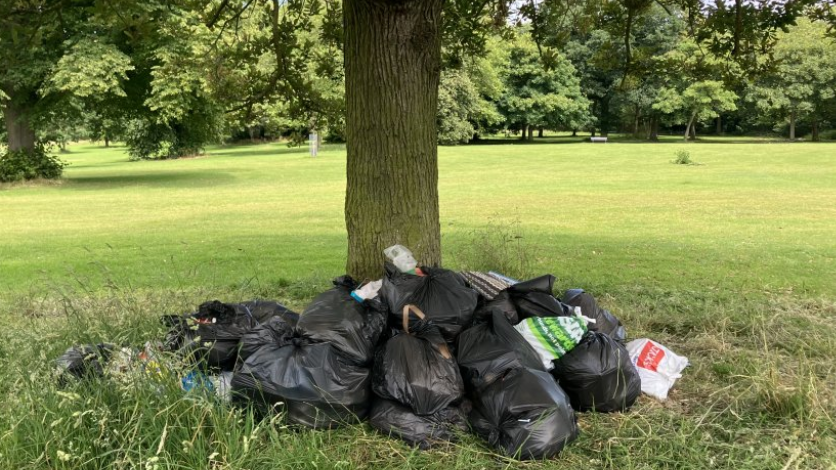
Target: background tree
(541, 92)
(699, 102)
(803, 84)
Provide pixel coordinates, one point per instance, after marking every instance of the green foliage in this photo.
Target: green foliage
(186, 136)
(24, 165)
(541, 95)
(800, 87)
(683, 157)
(457, 105)
(91, 68)
(698, 102)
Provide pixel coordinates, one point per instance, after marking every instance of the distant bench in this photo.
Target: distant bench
(598, 139)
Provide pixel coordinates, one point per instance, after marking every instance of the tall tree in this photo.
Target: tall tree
(392, 68)
(700, 101)
(542, 90)
(802, 86)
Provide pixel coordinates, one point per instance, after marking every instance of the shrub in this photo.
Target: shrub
(683, 157)
(20, 165)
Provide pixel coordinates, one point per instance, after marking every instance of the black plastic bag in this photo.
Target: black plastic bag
(605, 322)
(319, 386)
(275, 331)
(443, 295)
(263, 310)
(318, 415)
(500, 303)
(534, 298)
(598, 375)
(393, 419)
(416, 368)
(525, 414)
(85, 361)
(351, 327)
(210, 336)
(487, 351)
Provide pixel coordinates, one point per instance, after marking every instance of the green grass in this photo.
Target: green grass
(729, 262)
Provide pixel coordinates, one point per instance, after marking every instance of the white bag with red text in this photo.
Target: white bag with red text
(658, 366)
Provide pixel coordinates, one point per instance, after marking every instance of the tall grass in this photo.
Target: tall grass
(759, 393)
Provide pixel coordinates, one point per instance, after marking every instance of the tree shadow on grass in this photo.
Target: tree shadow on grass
(258, 151)
(178, 179)
(535, 141)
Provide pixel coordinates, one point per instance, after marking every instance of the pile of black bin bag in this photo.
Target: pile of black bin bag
(426, 360)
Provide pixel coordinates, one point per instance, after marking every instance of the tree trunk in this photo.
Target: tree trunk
(719, 125)
(815, 125)
(592, 132)
(530, 132)
(574, 132)
(392, 65)
(690, 124)
(792, 125)
(738, 26)
(654, 129)
(605, 117)
(107, 141)
(636, 117)
(19, 131)
(523, 132)
(540, 132)
(693, 135)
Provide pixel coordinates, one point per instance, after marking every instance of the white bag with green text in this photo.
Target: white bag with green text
(552, 337)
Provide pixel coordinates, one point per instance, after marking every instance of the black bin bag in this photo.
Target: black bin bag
(351, 327)
(605, 322)
(534, 298)
(488, 350)
(85, 361)
(319, 387)
(210, 337)
(525, 414)
(415, 368)
(275, 331)
(396, 420)
(443, 295)
(598, 375)
(500, 303)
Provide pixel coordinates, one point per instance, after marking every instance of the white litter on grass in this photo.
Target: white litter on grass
(658, 366)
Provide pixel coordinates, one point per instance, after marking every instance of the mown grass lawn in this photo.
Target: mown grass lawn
(729, 262)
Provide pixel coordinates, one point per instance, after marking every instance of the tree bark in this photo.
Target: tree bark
(636, 116)
(688, 130)
(574, 132)
(792, 125)
(815, 125)
(654, 129)
(18, 128)
(719, 125)
(107, 141)
(738, 26)
(530, 133)
(693, 135)
(523, 132)
(392, 67)
(540, 132)
(605, 117)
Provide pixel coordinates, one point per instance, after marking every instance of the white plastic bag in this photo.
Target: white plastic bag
(658, 366)
(552, 337)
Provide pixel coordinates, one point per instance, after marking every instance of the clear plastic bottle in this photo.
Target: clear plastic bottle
(402, 258)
